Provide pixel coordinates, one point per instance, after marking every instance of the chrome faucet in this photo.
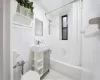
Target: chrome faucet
(39, 42)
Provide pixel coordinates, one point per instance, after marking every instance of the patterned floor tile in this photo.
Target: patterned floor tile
(53, 75)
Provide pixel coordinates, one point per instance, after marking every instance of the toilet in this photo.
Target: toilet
(31, 75)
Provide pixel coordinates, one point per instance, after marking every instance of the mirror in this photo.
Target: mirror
(38, 27)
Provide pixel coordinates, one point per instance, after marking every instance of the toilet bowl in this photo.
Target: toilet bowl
(30, 75)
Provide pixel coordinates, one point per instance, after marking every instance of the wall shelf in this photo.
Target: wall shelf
(22, 19)
(21, 15)
(23, 25)
(94, 20)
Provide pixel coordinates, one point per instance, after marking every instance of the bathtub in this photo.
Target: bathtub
(71, 71)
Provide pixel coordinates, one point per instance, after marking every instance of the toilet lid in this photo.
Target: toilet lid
(31, 75)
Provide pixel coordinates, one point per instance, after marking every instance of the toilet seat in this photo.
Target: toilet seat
(31, 75)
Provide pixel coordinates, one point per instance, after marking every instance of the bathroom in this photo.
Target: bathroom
(54, 40)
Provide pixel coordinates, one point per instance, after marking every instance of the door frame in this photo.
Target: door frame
(5, 73)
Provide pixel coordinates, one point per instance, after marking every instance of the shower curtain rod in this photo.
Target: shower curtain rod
(60, 7)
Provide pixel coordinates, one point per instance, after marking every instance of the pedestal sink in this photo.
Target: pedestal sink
(39, 59)
(39, 48)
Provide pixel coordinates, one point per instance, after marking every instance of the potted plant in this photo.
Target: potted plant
(30, 11)
(18, 6)
(26, 6)
(22, 8)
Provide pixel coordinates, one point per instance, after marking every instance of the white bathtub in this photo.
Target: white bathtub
(66, 69)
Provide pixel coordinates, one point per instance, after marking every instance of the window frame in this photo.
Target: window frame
(63, 26)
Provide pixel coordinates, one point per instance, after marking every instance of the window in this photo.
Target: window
(64, 20)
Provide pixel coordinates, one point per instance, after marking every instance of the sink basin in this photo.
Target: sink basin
(39, 48)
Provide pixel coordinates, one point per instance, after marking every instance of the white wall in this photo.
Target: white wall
(91, 42)
(22, 38)
(39, 13)
(65, 50)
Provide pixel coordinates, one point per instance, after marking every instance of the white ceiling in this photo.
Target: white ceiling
(50, 5)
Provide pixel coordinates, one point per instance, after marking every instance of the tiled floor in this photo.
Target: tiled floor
(53, 75)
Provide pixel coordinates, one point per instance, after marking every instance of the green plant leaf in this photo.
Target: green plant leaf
(21, 2)
(26, 4)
